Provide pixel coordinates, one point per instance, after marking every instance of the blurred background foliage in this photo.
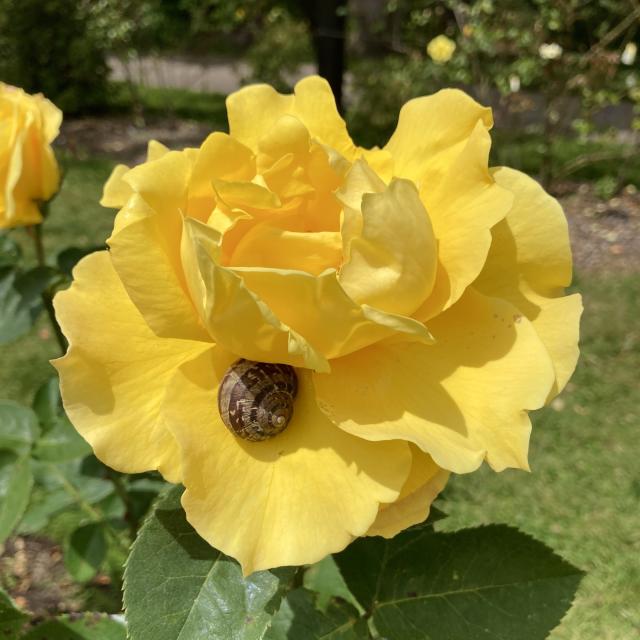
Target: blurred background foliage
(551, 68)
(564, 81)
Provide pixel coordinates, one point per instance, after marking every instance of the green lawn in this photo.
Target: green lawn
(583, 497)
(75, 219)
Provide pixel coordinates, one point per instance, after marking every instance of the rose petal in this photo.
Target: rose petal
(323, 313)
(431, 133)
(392, 261)
(233, 315)
(426, 480)
(289, 500)
(461, 399)
(529, 264)
(114, 377)
(464, 204)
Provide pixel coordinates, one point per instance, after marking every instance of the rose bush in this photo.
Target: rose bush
(28, 168)
(417, 292)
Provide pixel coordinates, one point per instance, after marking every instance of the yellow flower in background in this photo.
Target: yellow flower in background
(417, 293)
(441, 49)
(28, 168)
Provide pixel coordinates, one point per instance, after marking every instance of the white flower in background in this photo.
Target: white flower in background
(514, 83)
(628, 56)
(550, 51)
(631, 81)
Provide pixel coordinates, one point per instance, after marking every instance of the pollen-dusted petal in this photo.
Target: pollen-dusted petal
(236, 317)
(114, 377)
(323, 313)
(529, 264)
(463, 206)
(426, 480)
(431, 133)
(290, 500)
(462, 399)
(392, 262)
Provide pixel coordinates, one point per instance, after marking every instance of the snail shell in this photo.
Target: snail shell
(255, 399)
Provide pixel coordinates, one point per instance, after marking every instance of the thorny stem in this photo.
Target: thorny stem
(47, 298)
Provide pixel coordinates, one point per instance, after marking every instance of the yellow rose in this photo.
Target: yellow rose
(417, 293)
(441, 49)
(28, 168)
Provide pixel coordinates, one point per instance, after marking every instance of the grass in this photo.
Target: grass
(75, 219)
(163, 101)
(583, 496)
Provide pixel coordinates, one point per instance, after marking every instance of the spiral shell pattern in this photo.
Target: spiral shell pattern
(256, 399)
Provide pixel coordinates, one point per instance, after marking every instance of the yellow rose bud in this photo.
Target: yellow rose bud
(28, 168)
(441, 49)
(415, 295)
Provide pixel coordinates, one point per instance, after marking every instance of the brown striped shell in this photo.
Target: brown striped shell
(255, 399)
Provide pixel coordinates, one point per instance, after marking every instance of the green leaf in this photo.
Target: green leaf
(10, 252)
(486, 583)
(85, 551)
(18, 427)
(59, 441)
(16, 482)
(324, 578)
(178, 587)
(46, 402)
(11, 618)
(69, 257)
(88, 626)
(59, 487)
(299, 618)
(33, 283)
(17, 314)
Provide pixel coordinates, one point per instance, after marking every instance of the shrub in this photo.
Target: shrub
(49, 46)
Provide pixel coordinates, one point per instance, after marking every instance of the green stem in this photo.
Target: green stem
(47, 298)
(39, 245)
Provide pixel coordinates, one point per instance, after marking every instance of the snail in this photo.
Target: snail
(255, 399)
